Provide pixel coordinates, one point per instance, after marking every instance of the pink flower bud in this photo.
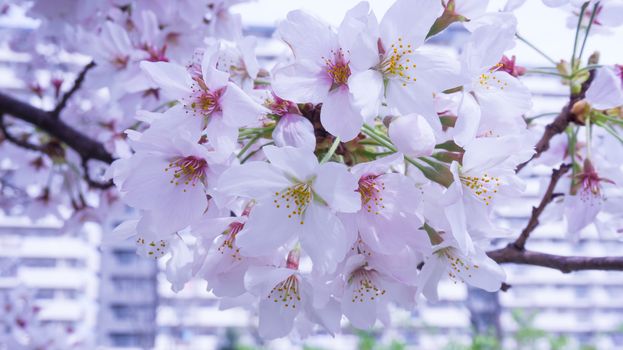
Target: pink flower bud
(294, 130)
(412, 135)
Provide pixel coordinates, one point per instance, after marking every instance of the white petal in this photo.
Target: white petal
(238, 107)
(412, 135)
(362, 314)
(296, 131)
(123, 231)
(260, 280)
(338, 115)
(276, 320)
(436, 69)
(490, 38)
(252, 180)
(323, 239)
(378, 166)
(412, 98)
(214, 78)
(468, 119)
(145, 181)
(179, 267)
(367, 90)
(309, 37)
(503, 98)
(335, 185)
(173, 79)
(428, 279)
(606, 90)
(176, 208)
(580, 211)
(301, 82)
(296, 162)
(410, 21)
(223, 137)
(483, 272)
(267, 229)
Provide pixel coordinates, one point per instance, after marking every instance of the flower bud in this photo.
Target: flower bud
(294, 130)
(412, 135)
(580, 109)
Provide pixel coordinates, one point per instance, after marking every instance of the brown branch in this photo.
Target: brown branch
(17, 141)
(67, 95)
(90, 181)
(82, 144)
(565, 264)
(548, 196)
(560, 123)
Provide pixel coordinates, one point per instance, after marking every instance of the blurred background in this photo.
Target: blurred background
(118, 300)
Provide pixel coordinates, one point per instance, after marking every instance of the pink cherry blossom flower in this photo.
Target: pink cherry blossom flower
(390, 66)
(387, 221)
(582, 206)
(170, 179)
(321, 71)
(206, 94)
(370, 285)
(474, 268)
(296, 198)
(285, 294)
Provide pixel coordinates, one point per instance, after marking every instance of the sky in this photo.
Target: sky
(545, 27)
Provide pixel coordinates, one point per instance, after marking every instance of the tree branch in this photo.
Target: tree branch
(560, 123)
(94, 183)
(548, 196)
(565, 264)
(83, 145)
(67, 95)
(17, 141)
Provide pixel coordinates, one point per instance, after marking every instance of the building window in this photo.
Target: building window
(129, 339)
(126, 257)
(38, 262)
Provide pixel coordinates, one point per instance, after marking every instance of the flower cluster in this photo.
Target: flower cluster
(318, 191)
(23, 329)
(44, 179)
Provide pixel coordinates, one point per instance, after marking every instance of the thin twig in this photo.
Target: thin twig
(17, 141)
(67, 95)
(559, 124)
(546, 56)
(90, 181)
(588, 30)
(548, 196)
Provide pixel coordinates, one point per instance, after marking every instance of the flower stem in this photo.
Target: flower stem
(534, 71)
(331, 151)
(249, 144)
(254, 152)
(588, 29)
(577, 35)
(587, 127)
(370, 132)
(431, 173)
(547, 57)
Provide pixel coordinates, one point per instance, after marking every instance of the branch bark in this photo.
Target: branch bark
(83, 145)
(548, 196)
(77, 84)
(560, 123)
(565, 264)
(20, 142)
